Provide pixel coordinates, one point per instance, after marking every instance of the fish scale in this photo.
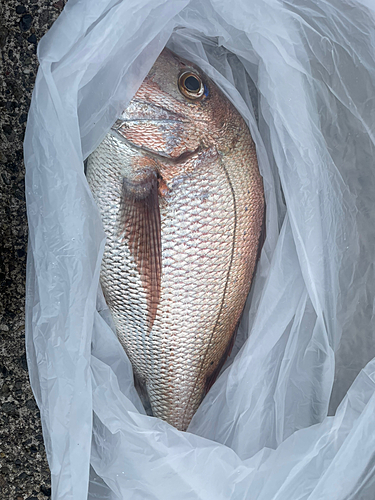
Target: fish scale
(183, 234)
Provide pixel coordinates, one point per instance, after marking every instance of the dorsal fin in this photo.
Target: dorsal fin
(141, 227)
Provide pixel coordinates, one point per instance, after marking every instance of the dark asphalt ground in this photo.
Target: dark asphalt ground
(24, 472)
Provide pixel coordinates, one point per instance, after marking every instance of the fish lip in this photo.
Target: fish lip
(143, 111)
(139, 110)
(148, 152)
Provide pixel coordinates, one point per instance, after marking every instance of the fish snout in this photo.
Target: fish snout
(141, 110)
(157, 131)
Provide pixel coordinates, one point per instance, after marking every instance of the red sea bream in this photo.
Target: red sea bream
(177, 184)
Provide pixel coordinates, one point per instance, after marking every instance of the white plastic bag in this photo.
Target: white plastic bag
(302, 74)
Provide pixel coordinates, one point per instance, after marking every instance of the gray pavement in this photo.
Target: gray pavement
(24, 472)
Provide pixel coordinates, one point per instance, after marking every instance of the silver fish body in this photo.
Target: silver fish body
(181, 198)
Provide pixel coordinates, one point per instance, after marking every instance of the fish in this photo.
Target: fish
(178, 187)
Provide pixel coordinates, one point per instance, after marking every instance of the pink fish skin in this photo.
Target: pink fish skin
(178, 187)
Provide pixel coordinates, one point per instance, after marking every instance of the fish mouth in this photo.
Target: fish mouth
(186, 155)
(140, 111)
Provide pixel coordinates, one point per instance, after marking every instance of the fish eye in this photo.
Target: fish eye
(191, 85)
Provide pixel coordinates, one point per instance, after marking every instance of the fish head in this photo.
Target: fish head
(176, 112)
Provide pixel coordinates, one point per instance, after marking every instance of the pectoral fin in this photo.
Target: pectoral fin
(140, 223)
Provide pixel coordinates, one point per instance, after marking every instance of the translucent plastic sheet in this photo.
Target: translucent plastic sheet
(302, 74)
